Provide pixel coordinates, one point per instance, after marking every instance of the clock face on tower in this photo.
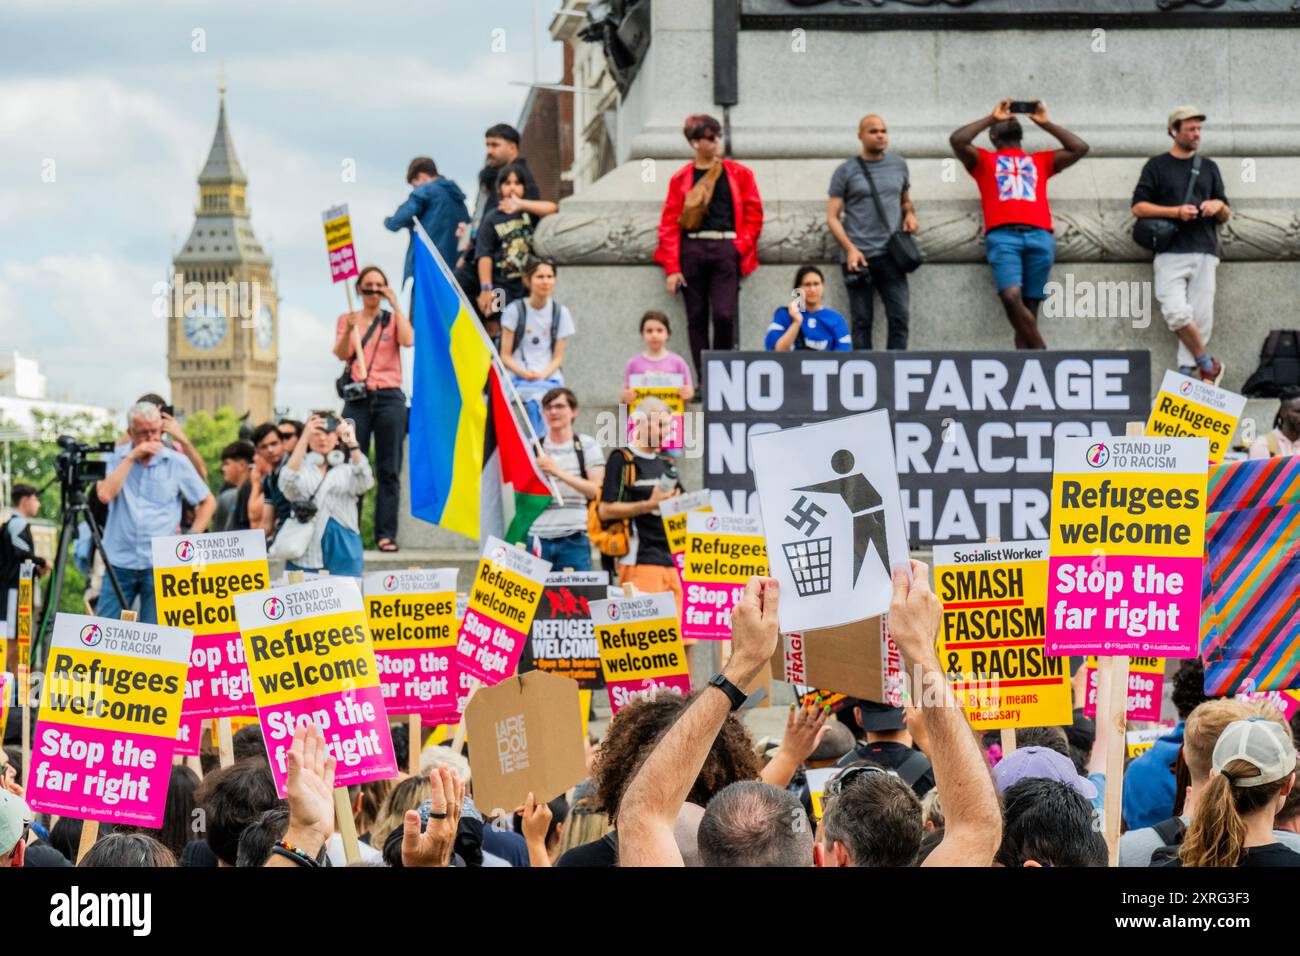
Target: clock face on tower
(265, 328)
(205, 326)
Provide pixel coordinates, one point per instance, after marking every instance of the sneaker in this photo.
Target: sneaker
(1213, 374)
(1189, 370)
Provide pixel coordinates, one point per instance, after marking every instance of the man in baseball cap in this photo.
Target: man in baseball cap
(1184, 191)
(890, 744)
(15, 819)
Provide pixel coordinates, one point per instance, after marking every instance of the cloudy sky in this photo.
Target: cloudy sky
(117, 96)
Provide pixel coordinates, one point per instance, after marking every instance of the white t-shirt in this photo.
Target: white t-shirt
(536, 350)
(558, 521)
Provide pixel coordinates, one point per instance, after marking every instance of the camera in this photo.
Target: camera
(353, 391)
(74, 468)
(304, 511)
(332, 423)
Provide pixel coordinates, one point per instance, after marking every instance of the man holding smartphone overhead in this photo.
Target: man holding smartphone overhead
(1017, 218)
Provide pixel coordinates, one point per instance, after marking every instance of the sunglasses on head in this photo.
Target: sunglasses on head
(837, 784)
(287, 436)
(711, 137)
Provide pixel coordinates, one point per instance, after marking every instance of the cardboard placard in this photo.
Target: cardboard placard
(1287, 702)
(674, 511)
(504, 595)
(110, 707)
(189, 736)
(641, 647)
(1146, 682)
(1187, 407)
(412, 618)
(196, 578)
(829, 499)
(859, 660)
(527, 733)
(817, 779)
(1127, 541)
(1138, 742)
(312, 661)
(338, 241)
(664, 386)
(562, 639)
(23, 634)
(991, 644)
(722, 553)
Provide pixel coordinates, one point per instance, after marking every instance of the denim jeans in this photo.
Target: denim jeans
(571, 551)
(134, 584)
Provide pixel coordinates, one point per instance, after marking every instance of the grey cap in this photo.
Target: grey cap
(15, 817)
(1264, 744)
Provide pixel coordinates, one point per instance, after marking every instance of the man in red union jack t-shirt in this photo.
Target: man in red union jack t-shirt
(1017, 218)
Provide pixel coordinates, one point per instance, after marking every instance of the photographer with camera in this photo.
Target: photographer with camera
(143, 490)
(375, 401)
(323, 479)
(173, 433)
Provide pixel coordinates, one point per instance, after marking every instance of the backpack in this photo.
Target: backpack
(1171, 831)
(1279, 365)
(611, 538)
(522, 322)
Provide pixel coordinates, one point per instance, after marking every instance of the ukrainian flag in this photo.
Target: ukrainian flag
(448, 412)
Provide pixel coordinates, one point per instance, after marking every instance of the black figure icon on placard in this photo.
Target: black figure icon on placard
(864, 504)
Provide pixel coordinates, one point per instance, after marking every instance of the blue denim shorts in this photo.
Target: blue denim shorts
(1021, 259)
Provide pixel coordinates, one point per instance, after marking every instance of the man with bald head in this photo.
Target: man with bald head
(861, 189)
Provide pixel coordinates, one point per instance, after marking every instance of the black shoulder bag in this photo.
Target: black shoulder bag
(1158, 234)
(901, 248)
(347, 389)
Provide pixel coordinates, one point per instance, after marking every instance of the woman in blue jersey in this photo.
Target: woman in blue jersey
(805, 323)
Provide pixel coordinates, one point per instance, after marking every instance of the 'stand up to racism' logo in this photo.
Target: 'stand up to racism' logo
(712, 523)
(1098, 455)
(390, 582)
(91, 635)
(273, 608)
(185, 549)
(497, 554)
(1186, 387)
(614, 612)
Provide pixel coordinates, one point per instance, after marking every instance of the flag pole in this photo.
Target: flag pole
(512, 394)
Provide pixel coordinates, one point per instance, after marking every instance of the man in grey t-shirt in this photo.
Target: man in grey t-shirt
(863, 235)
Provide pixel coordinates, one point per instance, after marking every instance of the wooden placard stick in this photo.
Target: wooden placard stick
(1112, 707)
(225, 741)
(90, 828)
(343, 821)
(1007, 735)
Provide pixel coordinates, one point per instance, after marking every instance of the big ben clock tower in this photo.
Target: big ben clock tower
(223, 327)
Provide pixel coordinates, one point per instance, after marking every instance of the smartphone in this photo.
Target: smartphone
(1023, 106)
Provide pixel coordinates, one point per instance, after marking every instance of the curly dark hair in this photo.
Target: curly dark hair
(1189, 687)
(637, 727)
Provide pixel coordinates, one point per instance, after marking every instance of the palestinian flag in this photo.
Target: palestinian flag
(508, 460)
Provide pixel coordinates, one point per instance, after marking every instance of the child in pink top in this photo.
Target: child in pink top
(656, 359)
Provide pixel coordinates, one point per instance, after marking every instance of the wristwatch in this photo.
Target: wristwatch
(738, 696)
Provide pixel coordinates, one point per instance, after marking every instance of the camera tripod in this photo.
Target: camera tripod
(72, 506)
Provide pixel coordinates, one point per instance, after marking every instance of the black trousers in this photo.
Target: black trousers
(711, 268)
(884, 279)
(382, 415)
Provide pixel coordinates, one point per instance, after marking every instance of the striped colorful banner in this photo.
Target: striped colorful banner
(1250, 613)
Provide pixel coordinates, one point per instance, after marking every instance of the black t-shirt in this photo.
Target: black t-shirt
(892, 756)
(602, 852)
(507, 239)
(651, 538)
(721, 214)
(273, 496)
(1273, 854)
(1163, 182)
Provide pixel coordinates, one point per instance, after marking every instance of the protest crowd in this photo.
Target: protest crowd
(921, 778)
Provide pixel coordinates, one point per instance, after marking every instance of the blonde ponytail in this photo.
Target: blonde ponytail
(1217, 834)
